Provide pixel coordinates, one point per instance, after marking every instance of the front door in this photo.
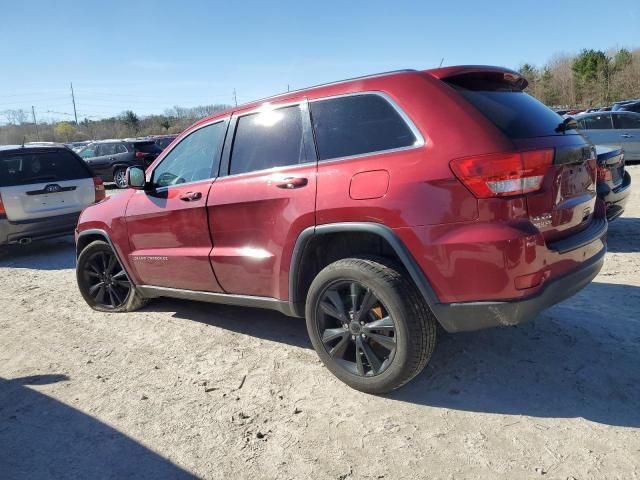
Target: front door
(264, 200)
(167, 223)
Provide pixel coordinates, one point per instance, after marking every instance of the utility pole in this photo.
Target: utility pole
(33, 111)
(288, 88)
(73, 99)
(441, 61)
(235, 98)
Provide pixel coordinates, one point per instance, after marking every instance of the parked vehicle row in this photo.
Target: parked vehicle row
(376, 208)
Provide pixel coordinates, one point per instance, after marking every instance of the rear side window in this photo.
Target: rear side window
(147, 147)
(26, 168)
(515, 113)
(358, 124)
(267, 139)
(626, 121)
(598, 122)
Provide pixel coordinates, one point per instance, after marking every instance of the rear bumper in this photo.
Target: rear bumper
(38, 229)
(469, 316)
(615, 199)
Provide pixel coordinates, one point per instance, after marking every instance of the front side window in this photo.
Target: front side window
(358, 124)
(598, 122)
(267, 139)
(195, 158)
(626, 121)
(88, 152)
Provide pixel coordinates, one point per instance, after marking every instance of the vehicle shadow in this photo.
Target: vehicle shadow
(623, 235)
(579, 359)
(43, 438)
(54, 254)
(265, 324)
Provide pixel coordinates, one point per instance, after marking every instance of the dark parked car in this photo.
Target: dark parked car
(375, 207)
(614, 182)
(111, 158)
(628, 105)
(164, 142)
(43, 188)
(617, 129)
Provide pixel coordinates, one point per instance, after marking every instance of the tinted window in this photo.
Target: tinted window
(107, 149)
(164, 142)
(598, 122)
(272, 138)
(195, 158)
(358, 124)
(626, 121)
(39, 167)
(147, 147)
(121, 149)
(516, 113)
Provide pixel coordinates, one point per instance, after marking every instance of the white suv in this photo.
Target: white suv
(43, 189)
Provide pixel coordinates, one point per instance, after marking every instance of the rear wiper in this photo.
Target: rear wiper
(568, 123)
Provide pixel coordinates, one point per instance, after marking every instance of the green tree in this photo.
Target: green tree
(65, 130)
(131, 120)
(622, 59)
(589, 65)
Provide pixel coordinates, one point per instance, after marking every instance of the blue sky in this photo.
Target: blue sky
(148, 56)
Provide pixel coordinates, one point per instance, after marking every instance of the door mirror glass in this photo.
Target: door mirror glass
(135, 178)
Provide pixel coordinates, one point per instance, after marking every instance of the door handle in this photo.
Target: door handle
(292, 182)
(626, 135)
(190, 196)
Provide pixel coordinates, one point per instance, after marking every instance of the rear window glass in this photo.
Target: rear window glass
(358, 124)
(40, 167)
(516, 113)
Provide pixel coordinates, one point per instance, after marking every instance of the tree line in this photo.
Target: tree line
(592, 78)
(20, 127)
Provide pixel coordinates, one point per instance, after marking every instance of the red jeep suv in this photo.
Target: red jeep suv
(375, 207)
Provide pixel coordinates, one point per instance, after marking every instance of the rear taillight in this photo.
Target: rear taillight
(2, 210)
(140, 154)
(503, 174)
(99, 189)
(604, 174)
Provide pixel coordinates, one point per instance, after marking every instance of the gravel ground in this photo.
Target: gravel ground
(183, 389)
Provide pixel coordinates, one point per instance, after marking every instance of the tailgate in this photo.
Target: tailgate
(42, 183)
(565, 204)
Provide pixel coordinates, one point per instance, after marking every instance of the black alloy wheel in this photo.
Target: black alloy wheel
(356, 328)
(105, 281)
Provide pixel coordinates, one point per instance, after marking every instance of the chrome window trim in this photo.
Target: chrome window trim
(420, 140)
(149, 176)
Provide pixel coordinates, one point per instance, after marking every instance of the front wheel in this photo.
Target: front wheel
(369, 324)
(103, 282)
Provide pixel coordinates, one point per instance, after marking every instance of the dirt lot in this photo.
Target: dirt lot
(182, 388)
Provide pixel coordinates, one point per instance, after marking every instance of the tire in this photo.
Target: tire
(94, 263)
(120, 177)
(400, 314)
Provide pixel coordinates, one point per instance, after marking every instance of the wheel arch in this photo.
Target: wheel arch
(85, 237)
(304, 263)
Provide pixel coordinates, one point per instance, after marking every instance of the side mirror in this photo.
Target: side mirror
(135, 178)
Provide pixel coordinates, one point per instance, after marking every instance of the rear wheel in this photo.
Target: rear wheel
(120, 177)
(103, 282)
(369, 324)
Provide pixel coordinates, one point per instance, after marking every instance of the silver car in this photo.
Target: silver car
(43, 189)
(614, 129)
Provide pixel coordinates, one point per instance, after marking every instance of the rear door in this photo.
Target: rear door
(565, 203)
(43, 183)
(627, 127)
(264, 200)
(167, 224)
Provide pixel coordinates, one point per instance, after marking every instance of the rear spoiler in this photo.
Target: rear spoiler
(465, 73)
